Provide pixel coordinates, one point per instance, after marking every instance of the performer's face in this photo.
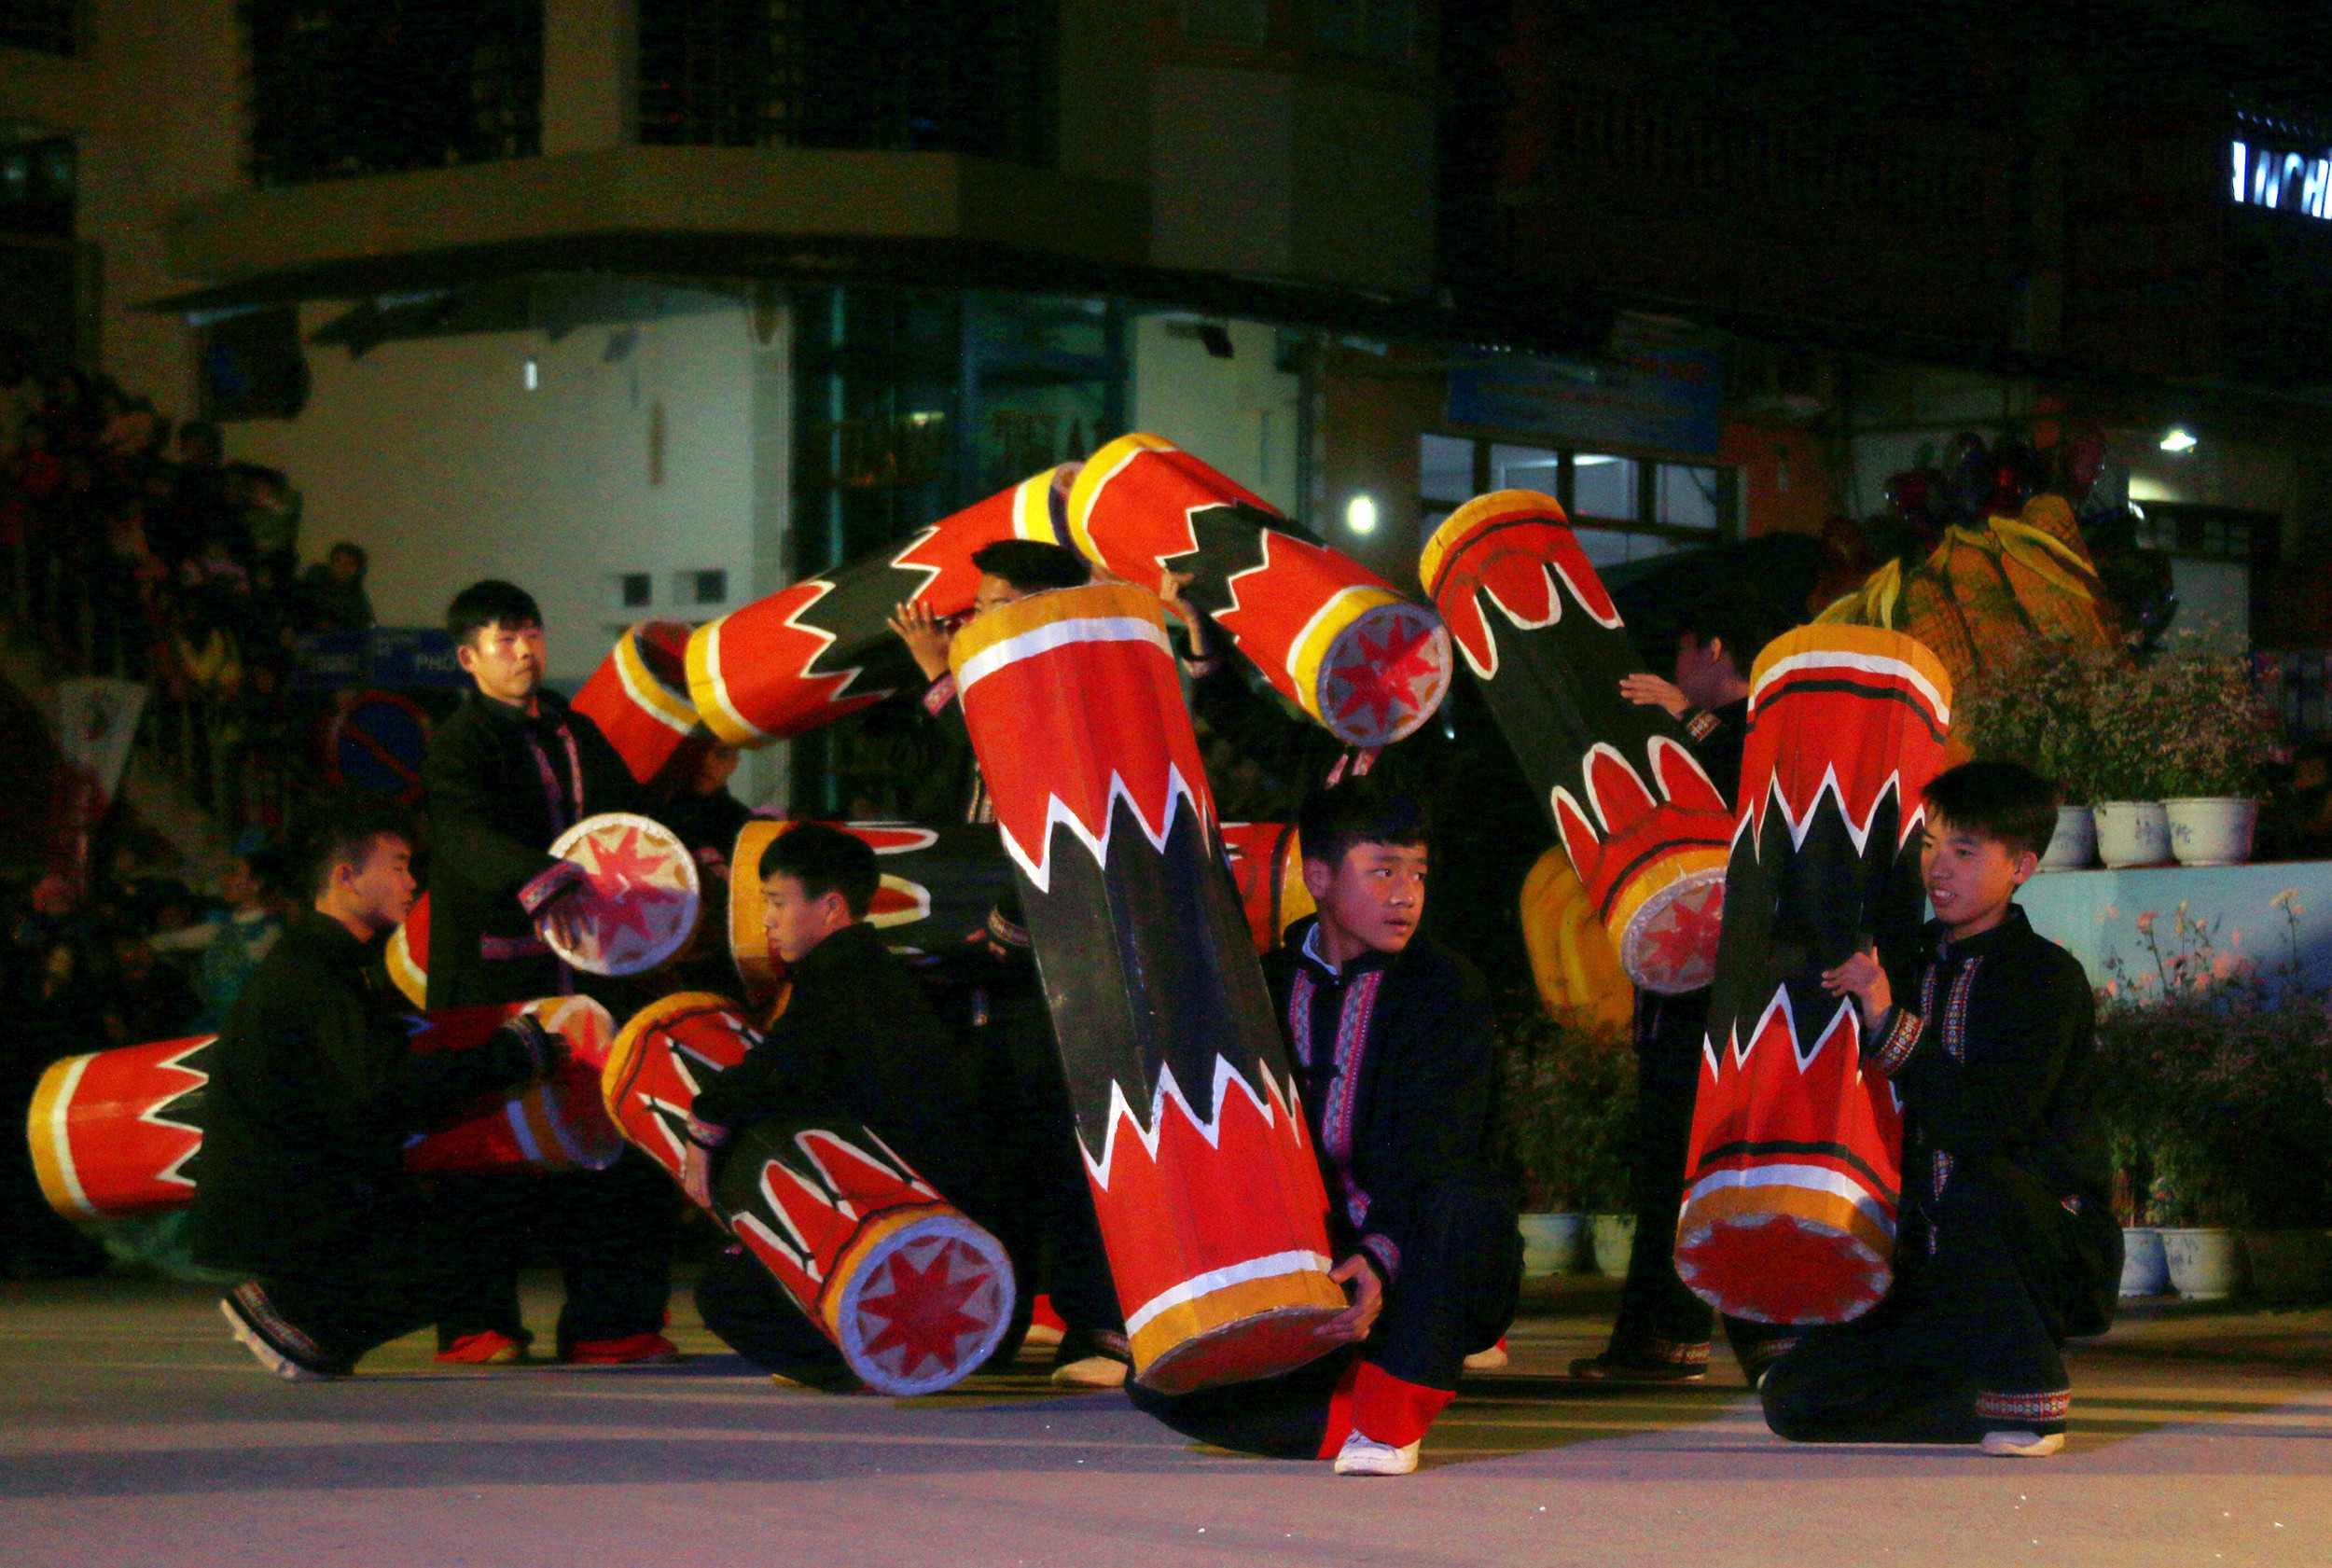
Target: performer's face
(796, 923)
(379, 891)
(1971, 876)
(993, 590)
(505, 661)
(1373, 898)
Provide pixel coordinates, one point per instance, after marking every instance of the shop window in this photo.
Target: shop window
(1604, 486)
(1445, 467)
(1227, 22)
(1685, 497)
(1384, 31)
(2207, 532)
(37, 185)
(1622, 508)
(1536, 468)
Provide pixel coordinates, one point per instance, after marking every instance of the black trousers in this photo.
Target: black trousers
(1461, 1272)
(1969, 1340)
(389, 1271)
(751, 1314)
(1661, 1319)
(611, 1233)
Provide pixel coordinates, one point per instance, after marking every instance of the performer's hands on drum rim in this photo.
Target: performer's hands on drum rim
(1647, 690)
(1353, 1324)
(545, 1052)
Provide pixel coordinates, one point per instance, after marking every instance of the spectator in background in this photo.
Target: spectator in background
(147, 999)
(270, 517)
(258, 894)
(195, 510)
(337, 601)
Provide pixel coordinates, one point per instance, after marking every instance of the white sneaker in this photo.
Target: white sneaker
(2022, 1444)
(1092, 1371)
(1366, 1456)
(1489, 1360)
(265, 1355)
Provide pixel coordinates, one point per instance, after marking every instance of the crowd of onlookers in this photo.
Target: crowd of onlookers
(132, 546)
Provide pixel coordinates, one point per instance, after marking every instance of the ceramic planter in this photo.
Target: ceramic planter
(2073, 847)
(2208, 830)
(2133, 832)
(2290, 1268)
(2144, 1269)
(2206, 1264)
(1551, 1243)
(1614, 1236)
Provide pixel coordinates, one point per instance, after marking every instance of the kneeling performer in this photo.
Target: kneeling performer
(1390, 1035)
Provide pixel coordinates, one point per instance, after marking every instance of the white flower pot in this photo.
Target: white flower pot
(2144, 1268)
(2207, 830)
(1614, 1236)
(1551, 1243)
(2206, 1264)
(2133, 832)
(2072, 846)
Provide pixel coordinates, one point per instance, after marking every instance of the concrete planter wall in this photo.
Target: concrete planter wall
(2133, 833)
(2205, 1264)
(2210, 831)
(2144, 1268)
(2073, 847)
(1551, 1243)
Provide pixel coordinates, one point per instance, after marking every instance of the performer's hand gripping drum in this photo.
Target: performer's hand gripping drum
(823, 647)
(1329, 634)
(1644, 826)
(1795, 1165)
(915, 1294)
(1203, 1175)
(639, 904)
(120, 1133)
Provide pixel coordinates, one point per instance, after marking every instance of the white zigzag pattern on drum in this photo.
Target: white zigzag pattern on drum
(1781, 1004)
(825, 640)
(830, 1195)
(153, 1113)
(1752, 822)
(1274, 1106)
(1039, 868)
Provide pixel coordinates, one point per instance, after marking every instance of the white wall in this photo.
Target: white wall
(434, 457)
(1238, 414)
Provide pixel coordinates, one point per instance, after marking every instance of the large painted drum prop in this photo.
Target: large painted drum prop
(916, 1295)
(1203, 1170)
(939, 885)
(1329, 634)
(408, 955)
(639, 699)
(1795, 1165)
(822, 648)
(120, 1133)
(1643, 824)
(639, 907)
(1266, 866)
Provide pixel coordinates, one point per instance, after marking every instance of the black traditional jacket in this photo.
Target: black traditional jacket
(1395, 1055)
(501, 787)
(313, 1091)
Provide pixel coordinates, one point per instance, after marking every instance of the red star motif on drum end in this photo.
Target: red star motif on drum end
(1683, 941)
(923, 1314)
(622, 874)
(1383, 677)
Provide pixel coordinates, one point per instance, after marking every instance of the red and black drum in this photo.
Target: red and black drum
(913, 1292)
(408, 956)
(939, 885)
(639, 699)
(640, 907)
(1332, 636)
(823, 647)
(1796, 1166)
(1202, 1169)
(1266, 864)
(1644, 826)
(119, 1132)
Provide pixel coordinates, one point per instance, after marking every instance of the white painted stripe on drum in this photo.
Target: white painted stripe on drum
(514, 1111)
(1215, 1279)
(1819, 1178)
(60, 1142)
(1872, 665)
(641, 684)
(1059, 634)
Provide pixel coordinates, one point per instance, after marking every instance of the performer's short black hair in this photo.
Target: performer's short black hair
(1032, 566)
(1741, 620)
(490, 603)
(825, 860)
(1359, 812)
(2002, 800)
(338, 828)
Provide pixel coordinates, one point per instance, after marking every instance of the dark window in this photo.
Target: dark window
(36, 181)
(1226, 21)
(1622, 508)
(342, 90)
(638, 590)
(49, 26)
(947, 75)
(1379, 30)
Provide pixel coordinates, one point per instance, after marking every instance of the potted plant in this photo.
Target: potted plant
(2215, 734)
(2129, 737)
(2040, 709)
(1567, 1113)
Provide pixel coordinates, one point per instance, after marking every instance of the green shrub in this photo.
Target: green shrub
(1567, 1105)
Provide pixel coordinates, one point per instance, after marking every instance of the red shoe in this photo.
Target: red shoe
(632, 1350)
(487, 1348)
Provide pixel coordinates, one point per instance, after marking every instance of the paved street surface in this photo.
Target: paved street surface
(133, 1431)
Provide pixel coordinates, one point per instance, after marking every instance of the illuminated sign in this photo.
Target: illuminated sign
(2289, 181)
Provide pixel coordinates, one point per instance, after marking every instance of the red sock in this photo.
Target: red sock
(1388, 1411)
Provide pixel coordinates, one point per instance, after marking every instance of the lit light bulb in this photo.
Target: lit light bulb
(1360, 515)
(2179, 440)
(531, 375)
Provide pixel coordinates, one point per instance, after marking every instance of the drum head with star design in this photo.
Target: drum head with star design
(640, 905)
(926, 1306)
(1384, 676)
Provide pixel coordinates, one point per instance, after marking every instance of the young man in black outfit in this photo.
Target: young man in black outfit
(1662, 1331)
(510, 770)
(1391, 1037)
(857, 1036)
(2007, 1243)
(314, 1090)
